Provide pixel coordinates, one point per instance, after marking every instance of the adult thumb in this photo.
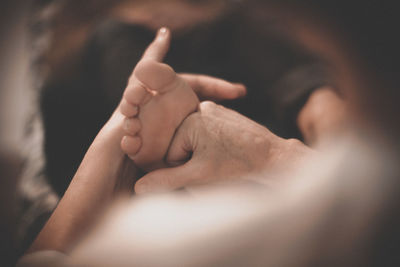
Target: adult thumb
(169, 179)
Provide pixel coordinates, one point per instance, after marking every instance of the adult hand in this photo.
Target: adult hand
(224, 147)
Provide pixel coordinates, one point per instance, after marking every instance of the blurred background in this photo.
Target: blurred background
(65, 64)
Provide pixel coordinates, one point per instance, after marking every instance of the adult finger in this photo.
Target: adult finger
(159, 47)
(210, 88)
(164, 180)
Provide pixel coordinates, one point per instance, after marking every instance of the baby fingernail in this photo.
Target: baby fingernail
(162, 31)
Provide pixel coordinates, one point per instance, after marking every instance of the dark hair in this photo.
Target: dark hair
(370, 29)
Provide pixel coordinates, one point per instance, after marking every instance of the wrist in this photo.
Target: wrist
(287, 155)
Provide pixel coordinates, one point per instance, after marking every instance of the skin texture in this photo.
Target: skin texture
(224, 146)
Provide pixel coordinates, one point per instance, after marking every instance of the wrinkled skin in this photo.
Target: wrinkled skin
(223, 146)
